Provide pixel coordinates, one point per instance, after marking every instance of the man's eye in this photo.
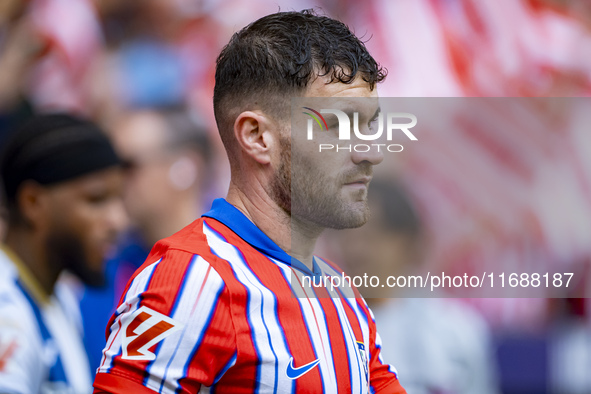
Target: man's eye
(373, 124)
(97, 198)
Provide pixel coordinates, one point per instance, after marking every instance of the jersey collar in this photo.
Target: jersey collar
(231, 217)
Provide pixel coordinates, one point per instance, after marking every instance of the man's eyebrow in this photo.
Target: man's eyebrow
(350, 112)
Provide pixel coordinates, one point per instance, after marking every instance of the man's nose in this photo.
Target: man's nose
(367, 152)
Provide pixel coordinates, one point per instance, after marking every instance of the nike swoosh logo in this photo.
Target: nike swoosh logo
(294, 373)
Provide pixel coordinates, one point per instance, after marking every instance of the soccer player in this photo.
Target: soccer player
(62, 185)
(220, 306)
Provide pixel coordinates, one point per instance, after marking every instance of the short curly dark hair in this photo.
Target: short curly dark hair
(278, 56)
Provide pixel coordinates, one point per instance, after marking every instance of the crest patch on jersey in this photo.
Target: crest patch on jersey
(144, 329)
(363, 357)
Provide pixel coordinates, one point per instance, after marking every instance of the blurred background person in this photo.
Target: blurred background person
(62, 183)
(439, 345)
(165, 153)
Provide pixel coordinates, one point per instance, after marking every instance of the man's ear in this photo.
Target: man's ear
(255, 134)
(32, 202)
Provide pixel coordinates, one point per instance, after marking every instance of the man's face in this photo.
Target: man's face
(85, 215)
(139, 140)
(329, 188)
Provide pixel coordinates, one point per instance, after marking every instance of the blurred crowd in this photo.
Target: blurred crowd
(476, 196)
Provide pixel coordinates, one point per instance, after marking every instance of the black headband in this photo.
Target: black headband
(49, 151)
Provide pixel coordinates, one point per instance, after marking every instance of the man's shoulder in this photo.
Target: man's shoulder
(190, 239)
(8, 269)
(11, 293)
(177, 253)
(17, 308)
(16, 311)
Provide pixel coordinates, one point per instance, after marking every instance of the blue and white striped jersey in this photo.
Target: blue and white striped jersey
(40, 345)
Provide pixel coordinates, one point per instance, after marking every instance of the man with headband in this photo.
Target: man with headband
(62, 190)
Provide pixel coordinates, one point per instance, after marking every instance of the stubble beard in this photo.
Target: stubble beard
(65, 249)
(309, 196)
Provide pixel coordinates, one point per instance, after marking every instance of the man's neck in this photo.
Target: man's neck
(296, 238)
(30, 252)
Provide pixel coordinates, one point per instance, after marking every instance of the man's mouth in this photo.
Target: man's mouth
(360, 181)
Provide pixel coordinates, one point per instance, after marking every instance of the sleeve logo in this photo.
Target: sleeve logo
(144, 329)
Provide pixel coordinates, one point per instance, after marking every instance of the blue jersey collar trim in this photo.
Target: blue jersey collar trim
(231, 217)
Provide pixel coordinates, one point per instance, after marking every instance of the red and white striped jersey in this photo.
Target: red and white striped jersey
(214, 309)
